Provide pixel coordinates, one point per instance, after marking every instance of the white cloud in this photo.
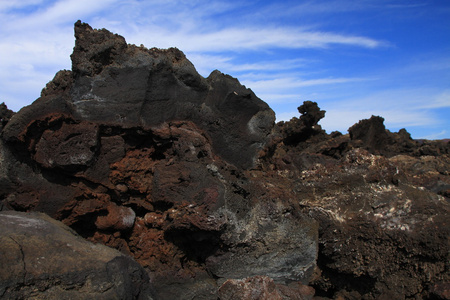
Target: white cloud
(60, 12)
(289, 83)
(280, 98)
(441, 100)
(43, 49)
(247, 39)
(274, 65)
(436, 136)
(17, 4)
(205, 63)
(401, 108)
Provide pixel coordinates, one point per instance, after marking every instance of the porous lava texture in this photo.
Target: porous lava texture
(192, 178)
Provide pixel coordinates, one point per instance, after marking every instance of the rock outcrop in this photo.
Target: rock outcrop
(382, 206)
(120, 85)
(192, 178)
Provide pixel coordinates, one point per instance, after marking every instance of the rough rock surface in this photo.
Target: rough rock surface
(383, 211)
(190, 176)
(263, 287)
(43, 259)
(5, 115)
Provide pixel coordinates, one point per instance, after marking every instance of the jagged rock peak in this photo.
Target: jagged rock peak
(97, 48)
(94, 49)
(5, 115)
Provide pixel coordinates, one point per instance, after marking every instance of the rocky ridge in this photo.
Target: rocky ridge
(191, 178)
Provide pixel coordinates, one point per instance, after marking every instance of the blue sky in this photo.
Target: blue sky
(355, 58)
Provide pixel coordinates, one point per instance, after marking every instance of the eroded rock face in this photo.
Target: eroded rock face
(42, 258)
(116, 84)
(133, 149)
(67, 147)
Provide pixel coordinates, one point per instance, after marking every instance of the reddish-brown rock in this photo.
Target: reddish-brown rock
(118, 218)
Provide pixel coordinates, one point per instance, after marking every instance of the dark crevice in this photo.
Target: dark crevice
(60, 177)
(201, 154)
(162, 206)
(103, 59)
(336, 152)
(138, 141)
(141, 139)
(336, 281)
(18, 207)
(138, 209)
(240, 190)
(85, 224)
(197, 244)
(23, 259)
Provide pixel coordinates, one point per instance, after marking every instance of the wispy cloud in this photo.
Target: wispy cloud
(50, 14)
(293, 90)
(436, 136)
(401, 108)
(17, 4)
(285, 83)
(441, 100)
(207, 62)
(249, 39)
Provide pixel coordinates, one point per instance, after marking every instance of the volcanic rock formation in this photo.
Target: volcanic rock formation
(191, 178)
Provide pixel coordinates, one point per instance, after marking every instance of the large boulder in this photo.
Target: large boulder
(43, 259)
